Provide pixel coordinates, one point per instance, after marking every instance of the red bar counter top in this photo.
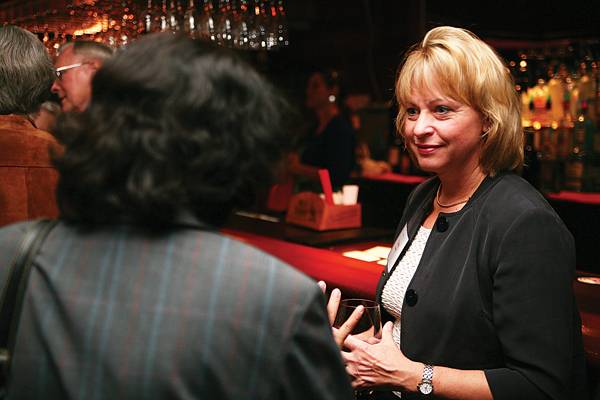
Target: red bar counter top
(576, 197)
(353, 277)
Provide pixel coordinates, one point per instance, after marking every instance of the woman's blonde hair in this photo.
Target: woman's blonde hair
(466, 69)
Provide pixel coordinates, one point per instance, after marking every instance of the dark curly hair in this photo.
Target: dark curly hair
(174, 126)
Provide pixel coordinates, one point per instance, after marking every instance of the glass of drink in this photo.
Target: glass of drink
(369, 324)
(367, 327)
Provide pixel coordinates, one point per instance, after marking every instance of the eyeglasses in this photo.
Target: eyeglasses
(60, 70)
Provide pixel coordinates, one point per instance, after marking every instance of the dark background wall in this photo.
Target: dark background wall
(365, 39)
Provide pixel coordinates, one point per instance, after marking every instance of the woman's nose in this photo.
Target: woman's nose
(423, 125)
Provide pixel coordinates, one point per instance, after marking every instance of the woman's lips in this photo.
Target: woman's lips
(426, 148)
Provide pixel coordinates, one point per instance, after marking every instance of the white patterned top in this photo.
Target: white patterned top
(394, 290)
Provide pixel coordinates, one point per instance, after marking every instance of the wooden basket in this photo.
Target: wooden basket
(309, 210)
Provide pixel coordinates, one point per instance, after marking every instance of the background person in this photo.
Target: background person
(76, 65)
(135, 293)
(479, 281)
(332, 143)
(46, 116)
(27, 178)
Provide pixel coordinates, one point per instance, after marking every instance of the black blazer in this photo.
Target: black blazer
(493, 292)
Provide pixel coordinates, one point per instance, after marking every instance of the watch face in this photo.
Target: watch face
(425, 388)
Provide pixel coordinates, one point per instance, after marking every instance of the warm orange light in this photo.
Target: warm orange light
(592, 280)
(97, 27)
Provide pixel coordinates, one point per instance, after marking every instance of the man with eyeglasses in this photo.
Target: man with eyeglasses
(75, 66)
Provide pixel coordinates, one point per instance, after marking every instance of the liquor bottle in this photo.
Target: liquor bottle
(549, 177)
(206, 24)
(240, 30)
(556, 93)
(149, 18)
(531, 168)
(173, 16)
(592, 168)
(224, 24)
(163, 18)
(190, 20)
(576, 162)
(564, 139)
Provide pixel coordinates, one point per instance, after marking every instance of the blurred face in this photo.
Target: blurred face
(443, 134)
(317, 92)
(74, 87)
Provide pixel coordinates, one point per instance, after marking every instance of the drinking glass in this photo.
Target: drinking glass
(369, 324)
(367, 327)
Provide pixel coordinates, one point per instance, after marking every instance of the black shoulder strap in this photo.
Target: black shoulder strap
(14, 290)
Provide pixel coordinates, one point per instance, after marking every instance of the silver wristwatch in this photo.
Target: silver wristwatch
(426, 385)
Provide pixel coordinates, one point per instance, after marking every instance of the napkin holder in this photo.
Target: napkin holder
(310, 210)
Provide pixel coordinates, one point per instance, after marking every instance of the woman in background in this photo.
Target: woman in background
(332, 144)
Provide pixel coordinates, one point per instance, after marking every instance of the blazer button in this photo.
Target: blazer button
(411, 297)
(441, 224)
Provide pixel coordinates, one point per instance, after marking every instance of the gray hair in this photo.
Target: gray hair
(89, 49)
(26, 73)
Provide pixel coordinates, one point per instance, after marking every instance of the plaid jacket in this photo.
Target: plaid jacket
(192, 314)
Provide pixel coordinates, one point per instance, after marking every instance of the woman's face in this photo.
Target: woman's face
(317, 92)
(443, 134)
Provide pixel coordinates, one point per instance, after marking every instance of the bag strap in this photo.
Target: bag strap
(14, 290)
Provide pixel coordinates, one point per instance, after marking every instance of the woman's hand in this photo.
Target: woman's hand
(340, 333)
(381, 364)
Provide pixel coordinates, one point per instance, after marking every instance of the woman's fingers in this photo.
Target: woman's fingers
(333, 304)
(341, 333)
(323, 286)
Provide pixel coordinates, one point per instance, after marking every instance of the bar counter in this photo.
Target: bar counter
(316, 254)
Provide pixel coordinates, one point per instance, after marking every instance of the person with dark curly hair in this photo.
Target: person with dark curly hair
(27, 178)
(135, 293)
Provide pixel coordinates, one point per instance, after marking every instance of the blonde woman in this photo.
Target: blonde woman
(478, 282)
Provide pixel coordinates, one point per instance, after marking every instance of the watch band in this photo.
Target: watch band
(428, 373)
(426, 385)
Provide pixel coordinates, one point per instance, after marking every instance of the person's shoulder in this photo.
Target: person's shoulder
(513, 192)
(20, 125)
(262, 265)
(511, 198)
(19, 139)
(8, 232)
(10, 238)
(43, 136)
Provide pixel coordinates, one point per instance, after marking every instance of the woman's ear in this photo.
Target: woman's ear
(487, 124)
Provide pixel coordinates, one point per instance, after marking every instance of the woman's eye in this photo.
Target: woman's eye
(411, 112)
(442, 109)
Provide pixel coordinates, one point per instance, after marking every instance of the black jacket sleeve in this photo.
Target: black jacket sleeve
(533, 310)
